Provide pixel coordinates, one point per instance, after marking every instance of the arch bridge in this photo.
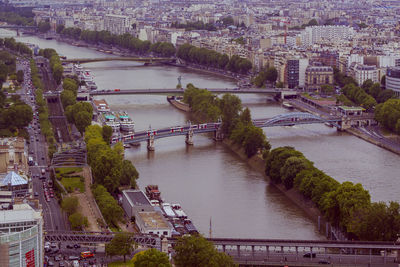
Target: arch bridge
(289, 119)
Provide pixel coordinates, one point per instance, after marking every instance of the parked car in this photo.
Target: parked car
(70, 246)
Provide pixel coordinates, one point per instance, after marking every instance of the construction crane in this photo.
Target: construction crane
(286, 22)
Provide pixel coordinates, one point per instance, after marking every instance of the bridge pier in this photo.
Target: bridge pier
(238, 250)
(218, 135)
(189, 137)
(150, 143)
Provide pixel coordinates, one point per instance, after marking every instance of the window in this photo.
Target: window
(165, 233)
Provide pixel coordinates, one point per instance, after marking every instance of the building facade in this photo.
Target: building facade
(116, 24)
(393, 80)
(292, 73)
(365, 72)
(21, 237)
(317, 76)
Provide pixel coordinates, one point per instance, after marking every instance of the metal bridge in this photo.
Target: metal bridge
(99, 237)
(288, 119)
(138, 59)
(167, 91)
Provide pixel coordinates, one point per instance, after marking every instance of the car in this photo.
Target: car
(36, 194)
(37, 139)
(42, 158)
(53, 245)
(309, 255)
(50, 263)
(61, 264)
(71, 258)
(324, 261)
(70, 246)
(77, 246)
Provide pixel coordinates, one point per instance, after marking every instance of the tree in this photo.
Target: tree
(77, 221)
(122, 244)
(107, 133)
(230, 106)
(44, 26)
(67, 98)
(383, 80)
(69, 204)
(196, 251)
(82, 120)
(60, 28)
(313, 22)
(291, 168)
(254, 141)
(271, 75)
(129, 174)
(327, 89)
(151, 258)
(20, 76)
(280, 85)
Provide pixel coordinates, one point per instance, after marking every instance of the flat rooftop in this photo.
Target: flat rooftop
(153, 219)
(137, 197)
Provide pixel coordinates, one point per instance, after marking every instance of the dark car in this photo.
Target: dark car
(77, 246)
(324, 261)
(309, 255)
(70, 246)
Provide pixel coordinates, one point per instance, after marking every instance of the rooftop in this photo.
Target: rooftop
(136, 198)
(13, 179)
(19, 213)
(153, 219)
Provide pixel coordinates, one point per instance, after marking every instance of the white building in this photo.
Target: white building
(315, 34)
(116, 24)
(21, 237)
(364, 72)
(303, 64)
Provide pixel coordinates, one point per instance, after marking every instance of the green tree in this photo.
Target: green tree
(69, 205)
(129, 174)
(107, 133)
(230, 106)
(122, 244)
(313, 22)
(67, 98)
(151, 258)
(327, 89)
(292, 166)
(82, 120)
(271, 75)
(60, 28)
(196, 251)
(20, 76)
(44, 26)
(383, 80)
(77, 221)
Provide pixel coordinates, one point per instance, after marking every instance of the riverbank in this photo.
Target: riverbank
(107, 50)
(178, 104)
(258, 163)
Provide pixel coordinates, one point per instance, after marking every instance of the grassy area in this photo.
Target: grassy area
(72, 183)
(128, 263)
(318, 97)
(65, 172)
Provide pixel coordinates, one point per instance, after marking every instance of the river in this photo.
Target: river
(211, 182)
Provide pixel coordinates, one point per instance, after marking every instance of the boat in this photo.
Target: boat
(126, 123)
(287, 105)
(101, 105)
(328, 124)
(110, 120)
(85, 76)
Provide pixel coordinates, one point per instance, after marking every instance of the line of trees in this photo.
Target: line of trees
(236, 122)
(108, 165)
(45, 125)
(346, 205)
(388, 114)
(16, 15)
(211, 58)
(269, 74)
(55, 63)
(19, 47)
(126, 41)
(108, 206)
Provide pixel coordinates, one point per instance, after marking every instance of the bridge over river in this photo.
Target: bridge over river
(169, 91)
(148, 60)
(267, 252)
(289, 119)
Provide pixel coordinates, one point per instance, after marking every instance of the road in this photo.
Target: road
(53, 217)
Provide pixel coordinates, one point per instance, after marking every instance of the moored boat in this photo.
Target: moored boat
(126, 123)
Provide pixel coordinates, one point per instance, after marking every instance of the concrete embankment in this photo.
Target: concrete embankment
(372, 140)
(258, 164)
(179, 105)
